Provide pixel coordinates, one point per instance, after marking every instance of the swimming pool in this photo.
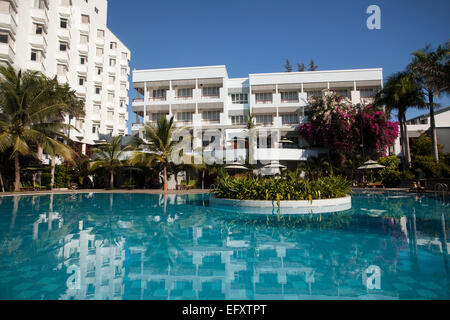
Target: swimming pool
(141, 246)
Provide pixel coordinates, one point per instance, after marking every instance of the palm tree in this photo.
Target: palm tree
(108, 155)
(401, 92)
(312, 66)
(160, 145)
(431, 68)
(29, 116)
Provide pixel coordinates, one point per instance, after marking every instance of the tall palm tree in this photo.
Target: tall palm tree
(401, 92)
(159, 144)
(108, 155)
(29, 116)
(431, 68)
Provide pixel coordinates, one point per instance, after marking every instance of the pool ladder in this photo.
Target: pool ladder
(441, 192)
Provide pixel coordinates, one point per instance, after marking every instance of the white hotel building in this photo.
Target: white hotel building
(70, 39)
(205, 98)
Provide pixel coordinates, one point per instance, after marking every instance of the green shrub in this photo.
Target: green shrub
(430, 167)
(289, 188)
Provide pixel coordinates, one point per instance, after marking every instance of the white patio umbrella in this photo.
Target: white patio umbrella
(274, 165)
(285, 140)
(370, 165)
(236, 165)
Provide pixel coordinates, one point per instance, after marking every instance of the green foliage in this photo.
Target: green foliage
(62, 176)
(431, 168)
(289, 188)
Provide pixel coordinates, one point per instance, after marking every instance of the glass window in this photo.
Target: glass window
(112, 79)
(239, 98)
(289, 118)
(99, 70)
(211, 91)
(366, 93)
(4, 38)
(63, 46)
(263, 97)
(124, 55)
(99, 52)
(84, 18)
(81, 81)
(264, 118)
(84, 38)
(63, 23)
(98, 90)
(113, 45)
(342, 92)
(185, 92)
(61, 69)
(316, 93)
(96, 108)
(157, 116)
(112, 62)
(211, 115)
(39, 28)
(100, 33)
(237, 119)
(289, 96)
(83, 59)
(185, 116)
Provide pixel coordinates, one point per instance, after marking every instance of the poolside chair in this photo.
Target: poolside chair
(25, 188)
(182, 185)
(38, 187)
(191, 184)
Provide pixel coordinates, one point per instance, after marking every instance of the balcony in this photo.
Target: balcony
(35, 66)
(40, 14)
(7, 53)
(82, 68)
(62, 56)
(64, 34)
(98, 59)
(81, 90)
(38, 41)
(83, 47)
(7, 22)
(84, 27)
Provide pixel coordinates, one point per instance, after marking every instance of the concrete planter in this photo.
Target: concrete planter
(286, 207)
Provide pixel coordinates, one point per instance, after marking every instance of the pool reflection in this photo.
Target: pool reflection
(123, 246)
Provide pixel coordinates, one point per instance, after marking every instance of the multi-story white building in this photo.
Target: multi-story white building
(205, 98)
(70, 39)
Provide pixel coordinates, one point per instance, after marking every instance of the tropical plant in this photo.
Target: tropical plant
(312, 66)
(290, 188)
(401, 92)
(30, 116)
(431, 69)
(157, 146)
(288, 66)
(108, 155)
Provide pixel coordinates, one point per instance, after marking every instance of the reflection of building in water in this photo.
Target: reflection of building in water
(214, 265)
(95, 266)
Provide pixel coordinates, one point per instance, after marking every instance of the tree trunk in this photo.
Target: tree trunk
(408, 153)
(433, 127)
(402, 138)
(52, 172)
(1, 182)
(17, 172)
(111, 178)
(166, 184)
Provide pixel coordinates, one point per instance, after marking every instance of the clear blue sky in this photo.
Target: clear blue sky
(250, 36)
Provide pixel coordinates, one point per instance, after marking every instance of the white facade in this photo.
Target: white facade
(70, 39)
(420, 124)
(205, 97)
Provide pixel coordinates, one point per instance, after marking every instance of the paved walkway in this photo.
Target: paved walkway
(144, 191)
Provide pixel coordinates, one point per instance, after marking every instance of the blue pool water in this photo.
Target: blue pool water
(137, 246)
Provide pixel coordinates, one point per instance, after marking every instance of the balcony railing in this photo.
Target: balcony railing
(264, 101)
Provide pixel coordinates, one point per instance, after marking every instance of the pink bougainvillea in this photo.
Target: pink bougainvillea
(338, 125)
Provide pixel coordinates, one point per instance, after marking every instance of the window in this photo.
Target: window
(4, 38)
(83, 59)
(84, 38)
(63, 23)
(317, 93)
(157, 116)
(342, 92)
(159, 94)
(96, 109)
(99, 52)
(112, 62)
(113, 45)
(84, 18)
(291, 96)
(237, 119)
(61, 70)
(185, 116)
(98, 89)
(264, 118)
(81, 81)
(39, 28)
(111, 79)
(98, 70)
(211, 92)
(95, 127)
(110, 115)
(96, 10)
(124, 56)
(63, 46)
(123, 71)
(239, 98)
(66, 3)
(41, 4)
(184, 92)
(100, 33)
(123, 87)
(263, 97)
(35, 55)
(366, 93)
(289, 118)
(123, 103)
(110, 97)
(211, 115)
